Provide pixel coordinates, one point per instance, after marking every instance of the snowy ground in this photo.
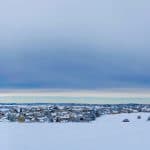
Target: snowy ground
(106, 133)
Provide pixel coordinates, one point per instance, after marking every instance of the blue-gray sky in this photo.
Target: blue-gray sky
(74, 44)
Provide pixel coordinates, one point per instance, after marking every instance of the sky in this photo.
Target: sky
(78, 44)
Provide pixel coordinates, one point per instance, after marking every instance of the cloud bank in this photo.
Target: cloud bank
(74, 44)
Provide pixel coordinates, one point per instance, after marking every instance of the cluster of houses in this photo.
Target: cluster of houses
(64, 112)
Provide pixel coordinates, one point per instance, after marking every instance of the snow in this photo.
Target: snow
(107, 133)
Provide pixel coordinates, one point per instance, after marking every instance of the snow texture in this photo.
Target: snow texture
(106, 133)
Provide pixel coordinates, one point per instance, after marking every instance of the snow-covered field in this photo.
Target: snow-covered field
(106, 133)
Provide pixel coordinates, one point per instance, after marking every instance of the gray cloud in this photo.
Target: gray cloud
(74, 44)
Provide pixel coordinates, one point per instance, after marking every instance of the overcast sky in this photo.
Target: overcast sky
(80, 44)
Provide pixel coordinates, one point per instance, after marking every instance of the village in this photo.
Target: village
(30, 113)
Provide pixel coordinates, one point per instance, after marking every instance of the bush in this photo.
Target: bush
(126, 120)
(21, 119)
